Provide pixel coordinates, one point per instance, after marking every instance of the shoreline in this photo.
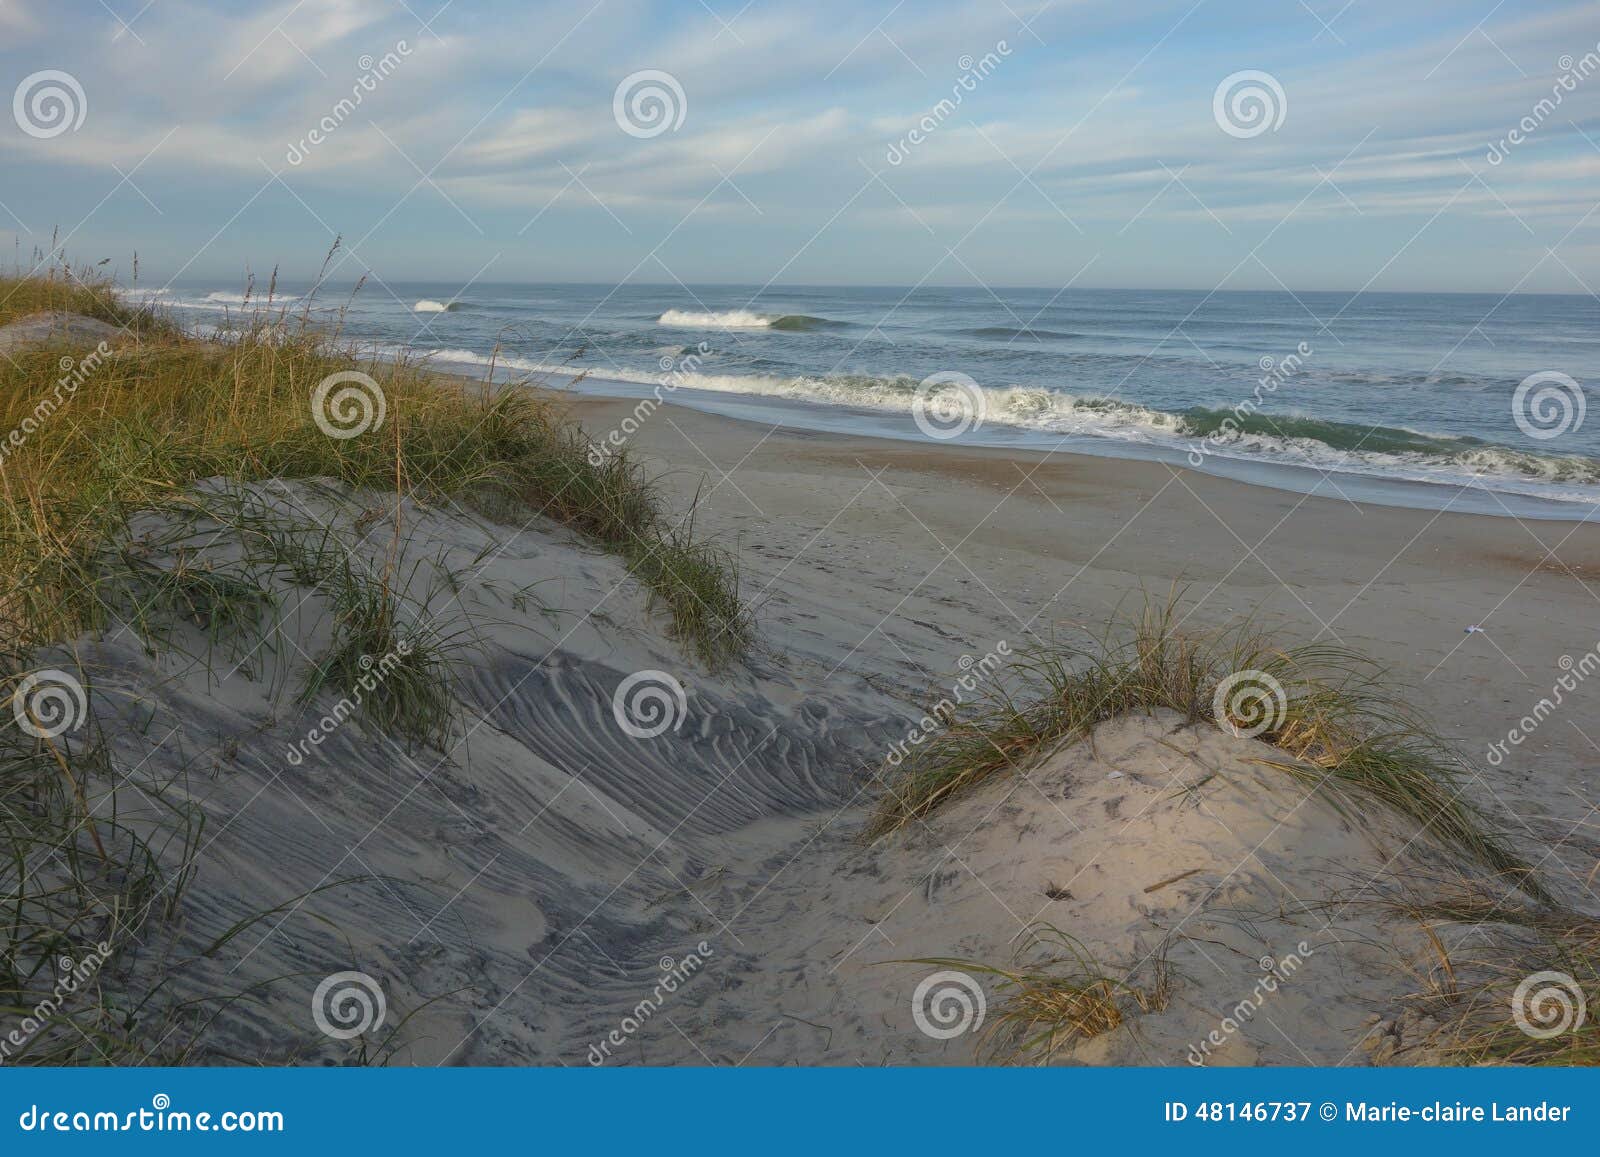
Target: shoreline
(1373, 489)
(1369, 490)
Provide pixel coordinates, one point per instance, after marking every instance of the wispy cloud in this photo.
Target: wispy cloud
(1094, 133)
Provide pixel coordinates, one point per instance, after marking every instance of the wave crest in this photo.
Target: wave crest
(742, 319)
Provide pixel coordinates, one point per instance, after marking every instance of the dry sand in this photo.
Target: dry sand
(553, 890)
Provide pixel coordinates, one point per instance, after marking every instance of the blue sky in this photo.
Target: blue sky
(1090, 153)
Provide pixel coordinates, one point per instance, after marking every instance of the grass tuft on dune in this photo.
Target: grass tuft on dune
(1055, 994)
(1326, 707)
(1514, 984)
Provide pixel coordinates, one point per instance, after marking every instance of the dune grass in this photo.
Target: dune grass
(57, 288)
(77, 886)
(1054, 995)
(1510, 960)
(1338, 722)
(165, 411)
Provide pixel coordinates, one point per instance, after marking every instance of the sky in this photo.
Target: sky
(1093, 143)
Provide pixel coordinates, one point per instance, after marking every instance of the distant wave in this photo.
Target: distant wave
(256, 298)
(428, 305)
(1010, 333)
(744, 319)
(222, 301)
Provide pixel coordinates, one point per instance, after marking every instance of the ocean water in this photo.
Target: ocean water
(1395, 397)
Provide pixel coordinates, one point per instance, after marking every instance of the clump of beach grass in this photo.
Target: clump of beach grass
(81, 877)
(1516, 983)
(1343, 728)
(1055, 994)
(398, 670)
(51, 285)
(167, 411)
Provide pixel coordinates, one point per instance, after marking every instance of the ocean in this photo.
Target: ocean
(1458, 401)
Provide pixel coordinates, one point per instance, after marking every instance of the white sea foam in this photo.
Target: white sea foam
(428, 305)
(228, 298)
(730, 319)
(1057, 414)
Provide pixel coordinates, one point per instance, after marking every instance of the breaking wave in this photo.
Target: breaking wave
(745, 319)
